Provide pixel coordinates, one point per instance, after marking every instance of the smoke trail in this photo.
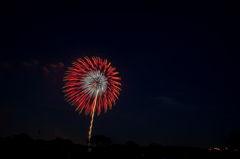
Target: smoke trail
(91, 124)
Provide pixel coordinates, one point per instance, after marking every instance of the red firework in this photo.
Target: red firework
(91, 84)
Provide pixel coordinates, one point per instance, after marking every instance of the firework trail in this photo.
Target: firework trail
(90, 128)
(91, 84)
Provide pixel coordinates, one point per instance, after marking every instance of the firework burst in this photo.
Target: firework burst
(91, 84)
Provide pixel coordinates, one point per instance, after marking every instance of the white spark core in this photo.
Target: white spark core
(94, 82)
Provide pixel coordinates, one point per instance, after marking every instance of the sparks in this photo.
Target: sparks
(91, 84)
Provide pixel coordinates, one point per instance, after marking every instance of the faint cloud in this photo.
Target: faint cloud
(5, 65)
(35, 62)
(60, 64)
(27, 64)
(53, 66)
(168, 102)
(45, 70)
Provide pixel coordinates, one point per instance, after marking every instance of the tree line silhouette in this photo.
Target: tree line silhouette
(22, 145)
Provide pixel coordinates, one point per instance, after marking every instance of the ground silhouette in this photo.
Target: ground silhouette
(23, 146)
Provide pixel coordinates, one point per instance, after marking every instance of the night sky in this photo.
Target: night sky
(178, 63)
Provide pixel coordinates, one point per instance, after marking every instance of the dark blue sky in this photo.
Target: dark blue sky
(179, 66)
